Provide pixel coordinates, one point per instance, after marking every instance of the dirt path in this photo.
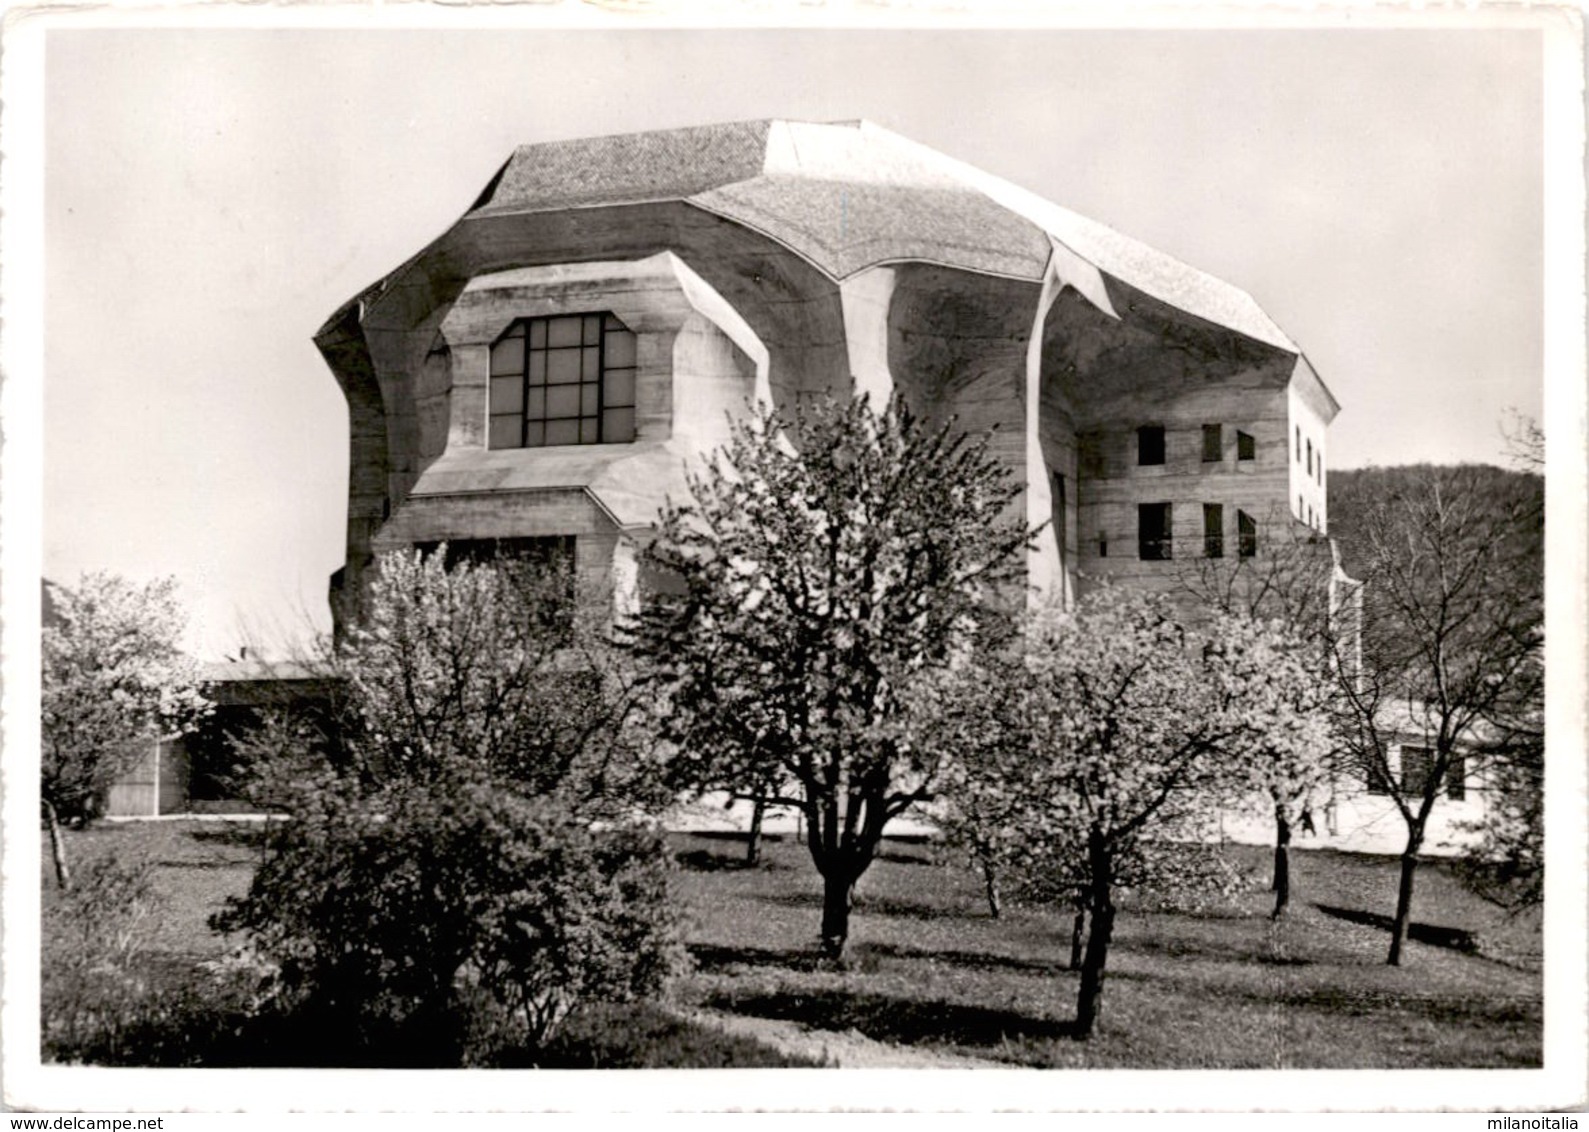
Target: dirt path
(849, 1050)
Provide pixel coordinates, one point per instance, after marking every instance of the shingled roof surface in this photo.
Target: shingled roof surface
(630, 168)
(849, 196)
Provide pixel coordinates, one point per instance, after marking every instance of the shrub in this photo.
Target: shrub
(91, 985)
(462, 911)
(465, 863)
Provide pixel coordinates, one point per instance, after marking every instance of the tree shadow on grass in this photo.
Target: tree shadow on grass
(1221, 951)
(1455, 939)
(790, 899)
(1217, 914)
(705, 861)
(713, 957)
(1450, 1010)
(895, 1020)
(971, 960)
(1446, 1010)
(248, 836)
(867, 905)
(863, 956)
(877, 905)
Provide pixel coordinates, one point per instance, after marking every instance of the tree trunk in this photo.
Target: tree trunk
(63, 873)
(1078, 934)
(1398, 928)
(1090, 995)
(1282, 877)
(753, 843)
(990, 886)
(842, 846)
(837, 892)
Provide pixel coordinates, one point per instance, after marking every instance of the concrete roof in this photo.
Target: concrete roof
(1414, 719)
(251, 670)
(852, 195)
(630, 482)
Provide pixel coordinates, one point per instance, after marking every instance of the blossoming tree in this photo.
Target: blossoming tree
(114, 679)
(1108, 740)
(825, 562)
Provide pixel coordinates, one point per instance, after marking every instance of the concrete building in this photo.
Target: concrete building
(196, 772)
(1357, 811)
(537, 379)
(544, 370)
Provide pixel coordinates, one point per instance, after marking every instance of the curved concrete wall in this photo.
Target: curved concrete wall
(1058, 373)
(1159, 366)
(698, 365)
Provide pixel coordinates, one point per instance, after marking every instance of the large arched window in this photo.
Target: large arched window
(566, 379)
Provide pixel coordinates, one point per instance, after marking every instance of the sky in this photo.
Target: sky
(212, 195)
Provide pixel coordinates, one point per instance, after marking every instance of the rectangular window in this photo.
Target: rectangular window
(1318, 467)
(1089, 454)
(1299, 444)
(1375, 781)
(1416, 764)
(553, 552)
(1246, 446)
(1059, 515)
(1150, 445)
(1213, 443)
(1246, 535)
(1214, 530)
(1153, 532)
(1103, 545)
(568, 379)
(550, 557)
(1310, 459)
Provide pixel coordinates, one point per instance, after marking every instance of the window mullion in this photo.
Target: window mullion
(601, 380)
(523, 387)
(543, 404)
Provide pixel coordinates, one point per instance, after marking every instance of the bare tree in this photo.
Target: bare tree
(1285, 571)
(1525, 442)
(1506, 865)
(1451, 560)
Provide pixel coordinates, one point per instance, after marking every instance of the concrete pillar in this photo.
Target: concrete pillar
(1047, 577)
(865, 300)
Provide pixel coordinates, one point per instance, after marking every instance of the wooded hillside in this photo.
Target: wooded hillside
(1353, 491)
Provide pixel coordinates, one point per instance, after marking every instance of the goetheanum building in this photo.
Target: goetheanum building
(537, 379)
(539, 376)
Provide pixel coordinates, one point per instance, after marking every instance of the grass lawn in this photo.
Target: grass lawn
(1225, 988)
(197, 866)
(928, 968)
